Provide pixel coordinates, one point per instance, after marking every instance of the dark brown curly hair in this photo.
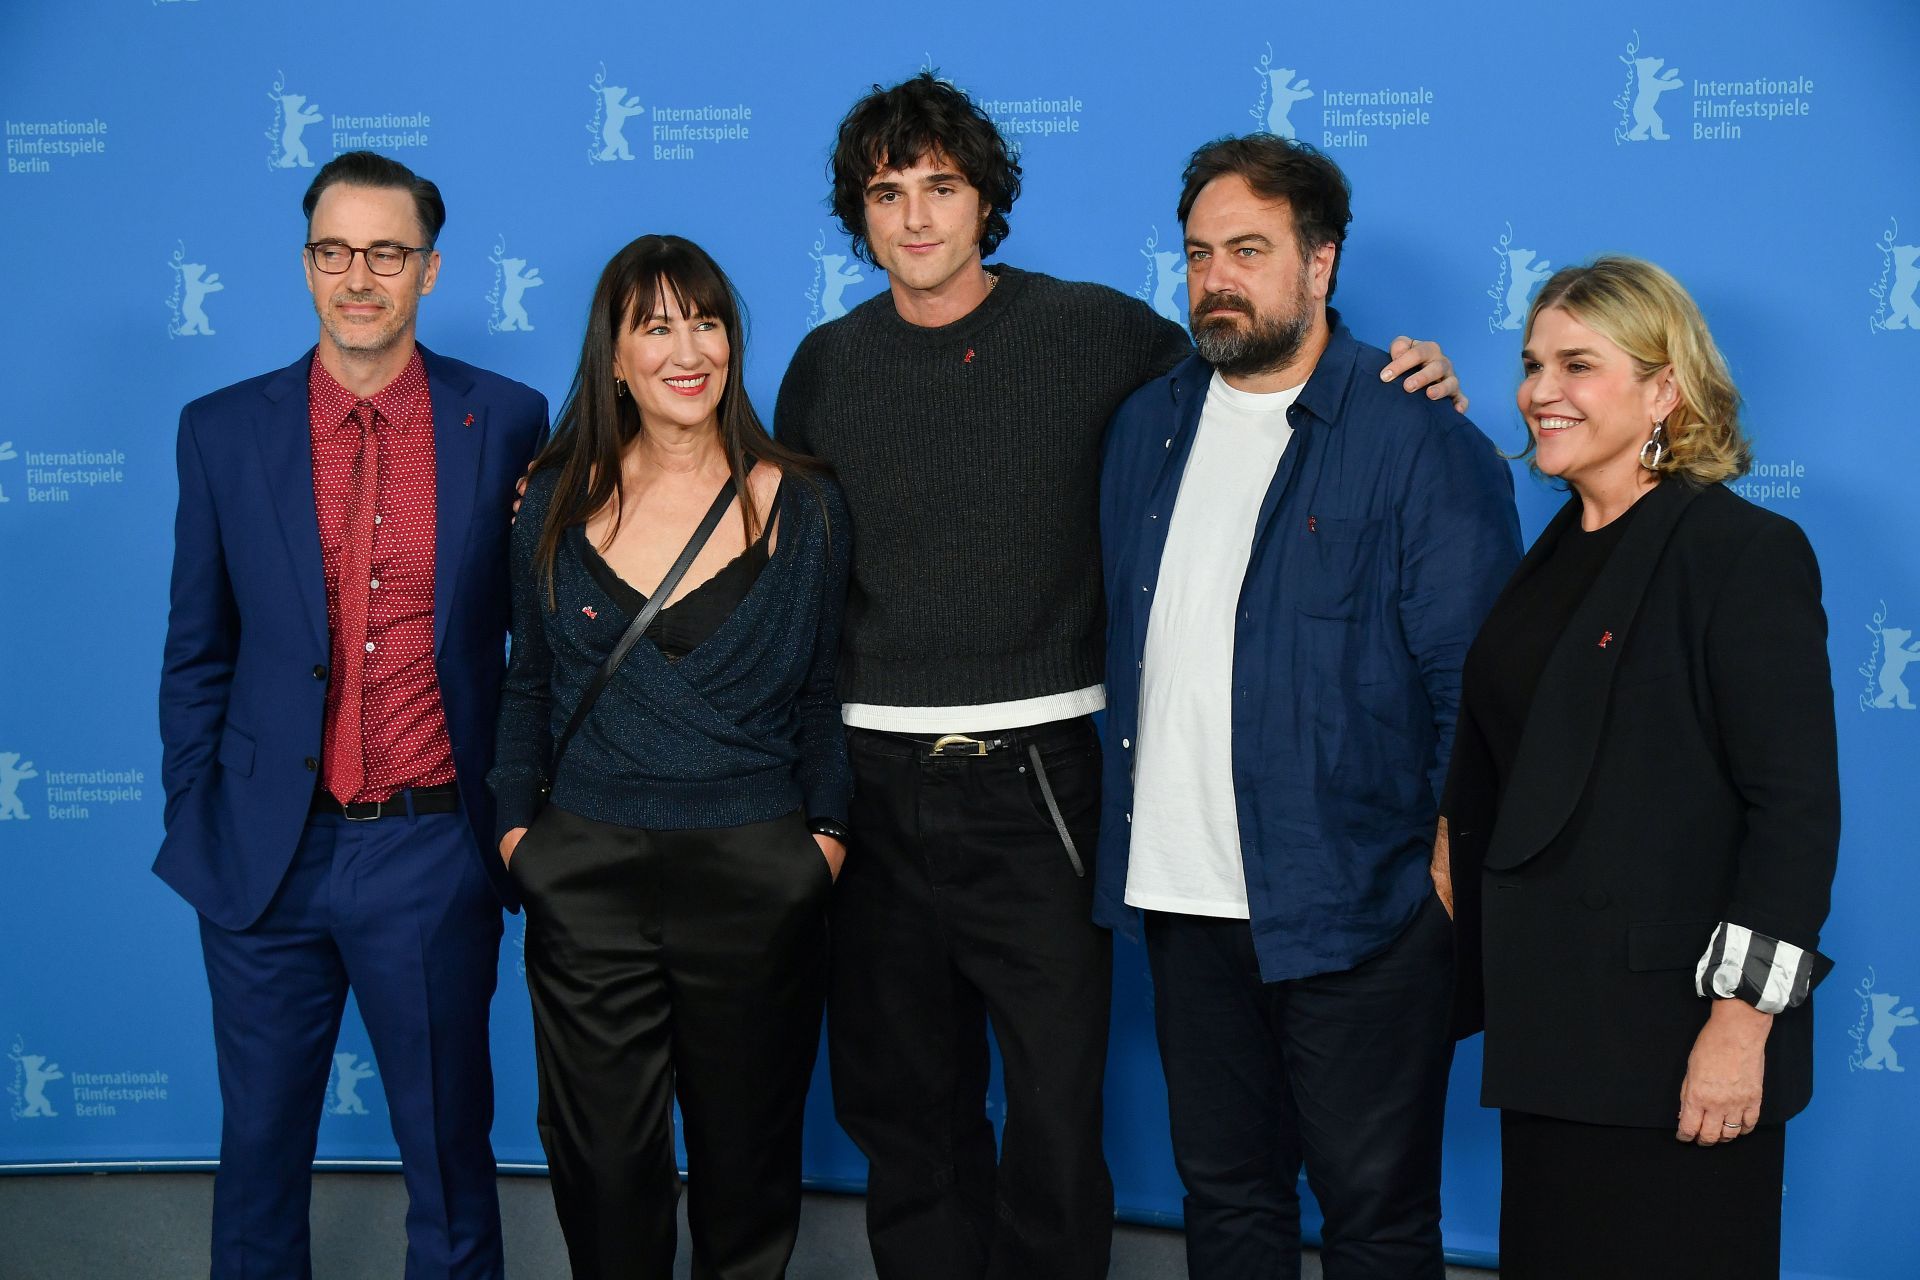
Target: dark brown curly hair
(894, 128)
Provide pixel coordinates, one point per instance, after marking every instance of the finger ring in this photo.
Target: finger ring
(1730, 1124)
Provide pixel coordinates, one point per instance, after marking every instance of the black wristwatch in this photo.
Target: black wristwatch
(828, 827)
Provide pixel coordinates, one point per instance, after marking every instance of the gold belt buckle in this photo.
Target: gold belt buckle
(960, 740)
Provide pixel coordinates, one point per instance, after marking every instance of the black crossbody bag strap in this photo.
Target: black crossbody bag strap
(638, 627)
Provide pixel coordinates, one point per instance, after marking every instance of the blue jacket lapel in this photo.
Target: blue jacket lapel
(458, 429)
(1569, 708)
(285, 440)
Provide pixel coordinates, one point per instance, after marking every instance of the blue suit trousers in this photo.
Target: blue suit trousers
(399, 911)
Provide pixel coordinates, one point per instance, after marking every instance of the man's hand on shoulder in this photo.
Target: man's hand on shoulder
(1430, 369)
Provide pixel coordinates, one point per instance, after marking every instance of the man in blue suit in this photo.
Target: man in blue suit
(333, 664)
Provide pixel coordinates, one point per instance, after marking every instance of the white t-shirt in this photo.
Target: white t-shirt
(1185, 846)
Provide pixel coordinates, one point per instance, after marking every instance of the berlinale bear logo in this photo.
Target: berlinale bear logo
(1897, 291)
(1881, 1014)
(13, 772)
(348, 1073)
(1886, 1018)
(192, 282)
(1279, 91)
(291, 115)
(1894, 650)
(1514, 285)
(1166, 276)
(1650, 83)
(511, 280)
(833, 275)
(31, 1075)
(611, 111)
(1639, 102)
(836, 275)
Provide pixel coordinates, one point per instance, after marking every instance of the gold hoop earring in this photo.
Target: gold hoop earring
(1655, 448)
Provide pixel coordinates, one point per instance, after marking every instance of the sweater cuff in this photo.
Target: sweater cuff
(1739, 964)
(516, 803)
(827, 802)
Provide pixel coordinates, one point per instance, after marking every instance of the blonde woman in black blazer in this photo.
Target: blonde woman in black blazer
(1643, 812)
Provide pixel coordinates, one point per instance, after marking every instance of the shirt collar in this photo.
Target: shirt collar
(1326, 388)
(401, 403)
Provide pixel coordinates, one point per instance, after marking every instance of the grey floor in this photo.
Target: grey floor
(123, 1226)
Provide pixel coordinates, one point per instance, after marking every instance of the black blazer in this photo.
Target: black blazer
(1677, 769)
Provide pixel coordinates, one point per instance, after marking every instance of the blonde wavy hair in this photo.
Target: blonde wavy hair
(1647, 314)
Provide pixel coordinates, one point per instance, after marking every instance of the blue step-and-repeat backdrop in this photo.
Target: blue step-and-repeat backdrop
(156, 151)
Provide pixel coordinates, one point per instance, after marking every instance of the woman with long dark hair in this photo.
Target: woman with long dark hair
(696, 783)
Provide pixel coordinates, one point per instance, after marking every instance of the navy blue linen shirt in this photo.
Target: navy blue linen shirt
(1383, 539)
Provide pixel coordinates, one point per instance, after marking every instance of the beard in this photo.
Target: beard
(1263, 344)
(388, 329)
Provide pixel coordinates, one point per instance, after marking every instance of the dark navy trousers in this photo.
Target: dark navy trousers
(399, 911)
(1345, 1071)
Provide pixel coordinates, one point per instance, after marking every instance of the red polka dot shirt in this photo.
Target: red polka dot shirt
(403, 727)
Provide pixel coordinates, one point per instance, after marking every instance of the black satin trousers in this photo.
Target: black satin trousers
(664, 964)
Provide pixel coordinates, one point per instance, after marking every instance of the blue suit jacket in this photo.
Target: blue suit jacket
(243, 686)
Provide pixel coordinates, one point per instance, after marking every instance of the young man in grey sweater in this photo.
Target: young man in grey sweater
(963, 411)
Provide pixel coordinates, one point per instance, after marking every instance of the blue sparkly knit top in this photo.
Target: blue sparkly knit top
(743, 728)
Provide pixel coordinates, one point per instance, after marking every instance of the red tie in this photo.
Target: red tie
(346, 754)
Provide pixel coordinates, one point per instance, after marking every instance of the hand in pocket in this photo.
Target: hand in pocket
(834, 852)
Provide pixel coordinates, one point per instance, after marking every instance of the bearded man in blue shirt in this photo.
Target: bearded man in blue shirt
(1297, 558)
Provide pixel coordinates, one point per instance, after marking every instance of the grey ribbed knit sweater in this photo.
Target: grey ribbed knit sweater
(969, 456)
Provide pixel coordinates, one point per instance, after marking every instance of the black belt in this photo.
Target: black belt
(444, 798)
(949, 746)
(958, 744)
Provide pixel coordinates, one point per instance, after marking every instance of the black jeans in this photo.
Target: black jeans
(664, 962)
(1348, 1070)
(960, 903)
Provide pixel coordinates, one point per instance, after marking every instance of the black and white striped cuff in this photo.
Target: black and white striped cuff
(1739, 964)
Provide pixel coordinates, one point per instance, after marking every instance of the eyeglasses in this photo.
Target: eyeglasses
(336, 258)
